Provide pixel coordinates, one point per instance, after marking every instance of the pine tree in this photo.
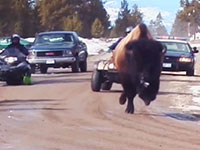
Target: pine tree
(122, 21)
(159, 26)
(152, 28)
(191, 14)
(22, 17)
(136, 17)
(73, 23)
(90, 10)
(126, 18)
(6, 18)
(180, 28)
(54, 14)
(97, 28)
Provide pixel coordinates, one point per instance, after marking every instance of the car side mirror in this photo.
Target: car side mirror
(195, 50)
(164, 50)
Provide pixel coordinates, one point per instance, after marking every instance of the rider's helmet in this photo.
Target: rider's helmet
(128, 29)
(15, 39)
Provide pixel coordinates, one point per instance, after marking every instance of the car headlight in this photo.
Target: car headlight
(185, 59)
(10, 60)
(67, 53)
(31, 54)
(111, 66)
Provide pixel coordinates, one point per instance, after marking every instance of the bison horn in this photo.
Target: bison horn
(142, 82)
(146, 84)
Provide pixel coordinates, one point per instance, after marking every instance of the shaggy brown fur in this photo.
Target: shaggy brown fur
(139, 32)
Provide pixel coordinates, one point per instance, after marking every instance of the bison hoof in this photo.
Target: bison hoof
(129, 110)
(147, 103)
(122, 99)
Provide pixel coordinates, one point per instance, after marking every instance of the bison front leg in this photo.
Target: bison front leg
(122, 99)
(130, 93)
(130, 105)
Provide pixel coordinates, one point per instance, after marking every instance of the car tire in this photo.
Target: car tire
(96, 80)
(75, 66)
(43, 69)
(106, 85)
(83, 66)
(33, 68)
(190, 72)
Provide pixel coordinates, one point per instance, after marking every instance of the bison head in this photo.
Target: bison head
(144, 60)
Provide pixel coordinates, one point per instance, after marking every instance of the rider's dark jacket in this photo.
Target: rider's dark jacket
(19, 46)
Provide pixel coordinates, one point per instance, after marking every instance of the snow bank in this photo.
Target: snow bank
(96, 46)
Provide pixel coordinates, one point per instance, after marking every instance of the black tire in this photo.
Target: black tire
(33, 68)
(83, 66)
(96, 80)
(43, 69)
(190, 72)
(106, 85)
(75, 66)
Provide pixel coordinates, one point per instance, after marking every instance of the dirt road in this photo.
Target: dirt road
(60, 112)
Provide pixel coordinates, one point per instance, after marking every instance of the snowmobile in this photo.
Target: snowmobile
(14, 69)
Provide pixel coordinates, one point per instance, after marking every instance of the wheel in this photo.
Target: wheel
(106, 85)
(96, 80)
(83, 66)
(33, 68)
(75, 66)
(190, 72)
(43, 69)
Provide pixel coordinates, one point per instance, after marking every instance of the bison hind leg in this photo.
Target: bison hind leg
(122, 99)
(130, 106)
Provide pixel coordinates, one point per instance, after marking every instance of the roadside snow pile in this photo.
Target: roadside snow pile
(194, 105)
(96, 46)
(30, 39)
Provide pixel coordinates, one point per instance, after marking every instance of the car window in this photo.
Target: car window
(177, 47)
(54, 39)
(5, 40)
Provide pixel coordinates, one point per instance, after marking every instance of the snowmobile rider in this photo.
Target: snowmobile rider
(114, 45)
(15, 43)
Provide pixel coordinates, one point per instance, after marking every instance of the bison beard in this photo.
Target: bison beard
(141, 72)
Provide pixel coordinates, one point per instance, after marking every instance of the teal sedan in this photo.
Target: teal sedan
(5, 41)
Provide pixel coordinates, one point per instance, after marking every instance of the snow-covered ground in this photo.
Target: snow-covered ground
(96, 46)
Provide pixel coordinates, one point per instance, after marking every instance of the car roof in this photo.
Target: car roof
(50, 32)
(170, 40)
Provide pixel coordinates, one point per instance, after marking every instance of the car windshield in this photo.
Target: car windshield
(55, 39)
(177, 47)
(5, 40)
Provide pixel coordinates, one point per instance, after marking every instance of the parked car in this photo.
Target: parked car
(5, 41)
(179, 56)
(58, 49)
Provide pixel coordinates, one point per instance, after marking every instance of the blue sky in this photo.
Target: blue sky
(150, 9)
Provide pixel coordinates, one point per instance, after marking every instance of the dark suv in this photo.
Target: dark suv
(58, 49)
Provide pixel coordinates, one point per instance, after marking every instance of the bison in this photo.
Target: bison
(141, 70)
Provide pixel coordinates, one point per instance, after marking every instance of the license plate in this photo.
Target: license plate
(167, 65)
(50, 61)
